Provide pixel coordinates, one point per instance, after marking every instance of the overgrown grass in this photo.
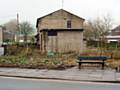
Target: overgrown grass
(13, 61)
(112, 53)
(30, 57)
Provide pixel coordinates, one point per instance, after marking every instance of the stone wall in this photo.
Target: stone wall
(66, 41)
(58, 20)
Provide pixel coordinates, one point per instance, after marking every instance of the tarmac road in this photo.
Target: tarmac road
(8, 83)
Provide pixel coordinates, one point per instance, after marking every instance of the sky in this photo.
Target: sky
(30, 10)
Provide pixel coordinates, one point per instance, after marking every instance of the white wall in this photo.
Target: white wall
(1, 36)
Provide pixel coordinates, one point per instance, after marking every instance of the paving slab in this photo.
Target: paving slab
(69, 74)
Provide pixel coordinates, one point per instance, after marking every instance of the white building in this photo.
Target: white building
(1, 36)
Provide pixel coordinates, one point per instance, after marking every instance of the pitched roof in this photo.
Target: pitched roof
(117, 28)
(57, 11)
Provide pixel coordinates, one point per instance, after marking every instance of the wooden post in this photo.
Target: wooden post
(52, 43)
(41, 40)
(56, 44)
(103, 65)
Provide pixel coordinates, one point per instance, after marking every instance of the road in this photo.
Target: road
(37, 84)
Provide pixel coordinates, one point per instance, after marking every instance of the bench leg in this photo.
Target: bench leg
(103, 66)
(79, 66)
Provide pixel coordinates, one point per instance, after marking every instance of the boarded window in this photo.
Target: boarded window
(68, 24)
(52, 33)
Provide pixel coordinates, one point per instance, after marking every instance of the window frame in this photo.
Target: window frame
(69, 24)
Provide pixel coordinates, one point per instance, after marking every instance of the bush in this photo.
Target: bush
(18, 55)
(13, 60)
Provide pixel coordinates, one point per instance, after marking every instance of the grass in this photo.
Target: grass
(20, 56)
(23, 57)
(113, 55)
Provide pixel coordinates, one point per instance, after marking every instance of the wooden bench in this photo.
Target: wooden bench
(92, 60)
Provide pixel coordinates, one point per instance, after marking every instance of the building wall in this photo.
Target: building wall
(58, 20)
(70, 41)
(8, 36)
(66, 41)
(115, 32)
(1, 36)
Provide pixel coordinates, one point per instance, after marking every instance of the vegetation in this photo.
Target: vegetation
(97, 29)
(26, 29)
(11, 26)
(17, 56)
(112, 53)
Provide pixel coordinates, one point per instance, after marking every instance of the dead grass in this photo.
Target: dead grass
(32, 58)
(112, 54)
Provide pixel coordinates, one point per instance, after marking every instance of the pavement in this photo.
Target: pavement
(74, 74)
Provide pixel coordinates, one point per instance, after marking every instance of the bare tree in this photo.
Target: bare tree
(26, 29)
(88, 32)
(101, 26)
(98, 28)
(11, 26)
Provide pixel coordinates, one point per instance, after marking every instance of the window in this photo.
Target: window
(52, 33)
(68, 24)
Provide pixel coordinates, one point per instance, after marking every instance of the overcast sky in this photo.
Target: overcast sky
(30, 10)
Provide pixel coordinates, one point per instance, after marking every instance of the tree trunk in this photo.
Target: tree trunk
(25, 38)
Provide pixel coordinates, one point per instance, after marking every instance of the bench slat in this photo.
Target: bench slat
(92, 58)
(92, 62)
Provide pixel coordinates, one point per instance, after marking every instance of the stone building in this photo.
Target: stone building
(60, 31)
(6, 36)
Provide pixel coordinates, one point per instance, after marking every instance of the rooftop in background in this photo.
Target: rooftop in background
(116, 31)
(117, 28)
